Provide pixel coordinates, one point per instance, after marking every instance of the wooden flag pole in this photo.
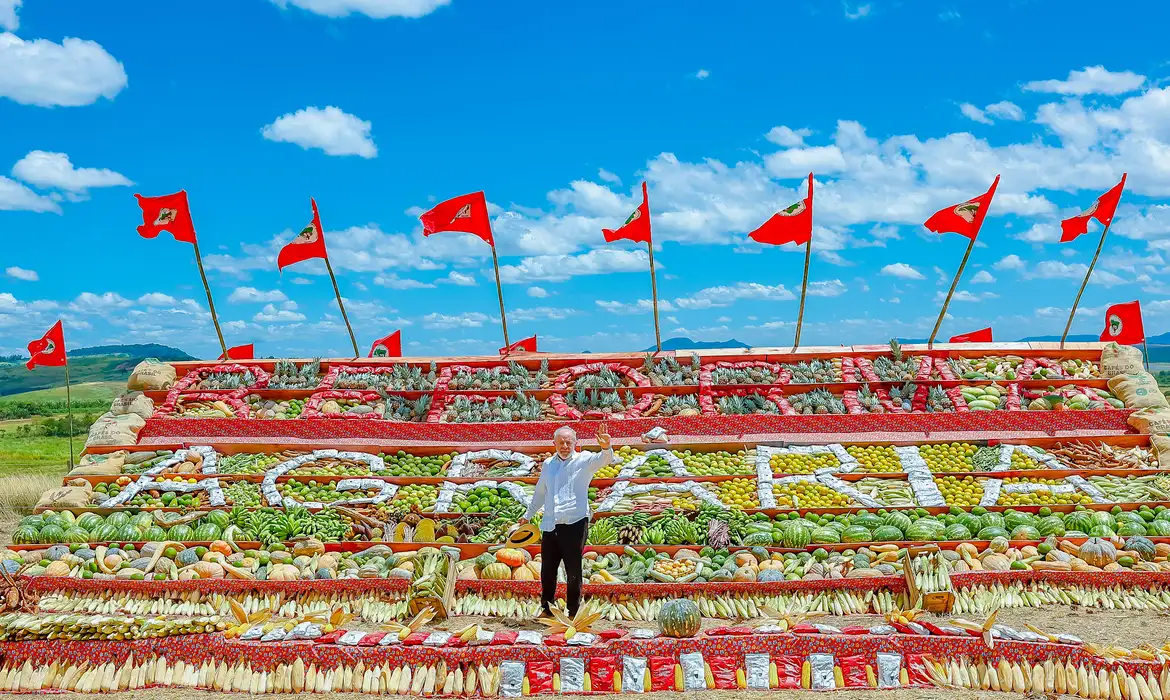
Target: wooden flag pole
(1146, 353)
(654, 296)
(69, 410)
(500, 291)
(1084, 283)
(803, 293)
(946, 302)
(341, 305)
(210, 303)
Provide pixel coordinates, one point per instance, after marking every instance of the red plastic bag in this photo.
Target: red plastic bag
(503, 638)
(661, 672)
(740, 631)
(788, 671)
(601, 670)
(555, 640)
(723, 670)
(916, 670)
(804, 628)
(853, 671)
(854, 630)
(717, 632)
(371, 639)
(416, 639)
(456, 641)
(612, 633)
(902, 628)
(540, 677)
(330, 638)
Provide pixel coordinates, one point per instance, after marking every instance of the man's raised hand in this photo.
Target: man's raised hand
(603, 440)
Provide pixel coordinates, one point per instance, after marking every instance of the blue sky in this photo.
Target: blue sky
(379, 108)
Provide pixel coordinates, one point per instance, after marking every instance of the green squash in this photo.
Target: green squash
(1143, 546)
(680, 618)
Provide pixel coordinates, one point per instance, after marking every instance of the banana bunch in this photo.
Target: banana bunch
(890, 492)
(602, 532)
(28, 626)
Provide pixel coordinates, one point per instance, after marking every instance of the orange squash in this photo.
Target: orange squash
(523, 573)
(222, 547)
(512, 557)
(744, 573)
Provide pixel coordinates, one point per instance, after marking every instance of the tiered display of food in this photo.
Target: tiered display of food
(270, 504)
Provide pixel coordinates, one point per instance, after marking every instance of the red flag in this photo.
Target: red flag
(309, 243)
(527, 345)
(964, 219)
(1102, 210)
(390, 346)
(790, 225)
(167, 213)
(637, 226)
(49, 349)
(980, 336)
(240, 352)
(1123, 324)
(467, 213)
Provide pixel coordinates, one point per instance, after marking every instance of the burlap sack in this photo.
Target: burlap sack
(1151, 421)
(1161, 446)
(65, 497)
(1120, 359)
(1139, 390)
(133, 402)
(151, 375)
(116, 458)
(100, 465)
(115, 430)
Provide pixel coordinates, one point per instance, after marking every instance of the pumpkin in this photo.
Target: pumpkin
(534, 567)
(679, 618)
(1097, 552)
(222, 547)
(770, 575)
(496, 572)
(996, 562)
(208, 569)
(523, 573)
(512, 557)
(999, 545)
(1162, 550)
(467, 573)
(57, 568)
(1143, 546)
(744, 574)
(308, 547)
(284, 572)
(743, 559)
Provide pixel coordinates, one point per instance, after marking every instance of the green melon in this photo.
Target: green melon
(51, 534)
(826, 535)
(898, 519)
(219, 518)
(89, 521)
(887, 533)
(869, 520)
(154, 534)
(210, 531)
(1052, 526)
(958, 533)
(991, 520)
(1025, 532)
(25, 534)
(55, 519)
(34, 521)
(856, 533)
(1101, 517)
(1079, 520)
(103, 533)
(76, 535)
(182, 533)
(925, 530)
(118, 518)
(1130, 515)
(1128, 528)
(1102, 531)
(990, 533)
(970, 521)
(129, 533)
(799, 536)
(1015, 519)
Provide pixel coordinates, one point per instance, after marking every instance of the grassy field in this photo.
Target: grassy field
(36, 455)
(86, 391)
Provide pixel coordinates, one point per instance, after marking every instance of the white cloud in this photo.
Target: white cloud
(378, 9)
(1093, 80)
(53, 170)
(157, 299)
(16, 197)
(703, 74)
(721, 319)
(542, 313)
(641, 306)
(973, 113)
(608, 176)
(8, 18)
(70, 74)
(538, 292)
(1044, 232)
(301, 281)
(332, 130)
(270, 314)
(458, 279)
(1005, 110)
(1010, 262)
(1055, 269)
(251, 295)
(798, 162)
(713, 297)
(983, 277)
(555, 268)
(902, 271)
(88, 302)
(827, 288)
(472, 319)
(857, 12)
(19, 273)
(784, 136)
(395, 282)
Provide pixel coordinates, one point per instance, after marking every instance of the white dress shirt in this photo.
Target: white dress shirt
(563, 488)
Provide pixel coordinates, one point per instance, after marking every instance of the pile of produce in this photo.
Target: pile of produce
(678, 405)
(668, 371)
(756, 373)
(22, 627)
(815, 371)
(188, 407)
(481, 499)
(896, 367)
(817, 402)
(747, 404)
(514, 376)
(501, 409)
(313, 491)
(253, 462)
(272, 409)
(597, 401)
(603, 378)
(808, 494)
(717, 463)
(991, 397)
(784, 463)
(875, 458)
(289, 375)
(869, 401)
(399, 377)
(1069, 398)
(218, 380)
(402, 463)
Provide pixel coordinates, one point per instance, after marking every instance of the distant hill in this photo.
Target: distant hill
(106, 363)
(688, 344)
(1162, 339)
(1074, 338)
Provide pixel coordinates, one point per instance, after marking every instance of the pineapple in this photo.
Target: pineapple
(896, 368)
(937, 401)
(904, 395)
(869, 400)
(745, 405)
(679, 406)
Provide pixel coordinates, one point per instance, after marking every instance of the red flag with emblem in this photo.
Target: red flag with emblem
(467, 214)
(241, 352)
(1123, 324)
(527, 345)
(965, 218)
(982, 335)
(169, 213)
(390, 346)
(637, 226)
(789, 225)
(1102, 210)
(49, 349)
(309, 243)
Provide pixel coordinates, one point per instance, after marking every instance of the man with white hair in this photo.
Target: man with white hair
(563, 492)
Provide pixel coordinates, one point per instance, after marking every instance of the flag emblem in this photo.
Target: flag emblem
(307, 235)
(463, 213)
(166, 216)
(1092, 209)
(793, 209)
(50, 347)
(380, 350)
(967, 211)
(634, 215)
(1115, 325)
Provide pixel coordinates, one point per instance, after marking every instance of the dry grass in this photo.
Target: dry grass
(18, 495)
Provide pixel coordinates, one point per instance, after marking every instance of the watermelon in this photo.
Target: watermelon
(25, 534)
(75, 535)
(1158, 528)
(970, 521)
(219, 518)
(898, 519)
(103, 533)
(856, 533)
(154, 534)
(990, 533)
(1131, 516)
(142, 520)
(67, 518)
(89, 521)
(129, 533)
(1102, 531)
(826, 535)
(182, 533)
(33, 521)
(1015, 519)
(869, 520)
(51, 534)
(1079, 520)
(1100, 517)
(118, 518)
(925, 530)
(1128, 528)
(210, 531)
(798, 536)
(991, 520)
(887, 533)
(1025, 532)
(1052, 526)
(1163, 515)
(958, 533)
(55, 519)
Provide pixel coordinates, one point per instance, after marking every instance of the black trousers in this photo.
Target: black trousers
(565, 544)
